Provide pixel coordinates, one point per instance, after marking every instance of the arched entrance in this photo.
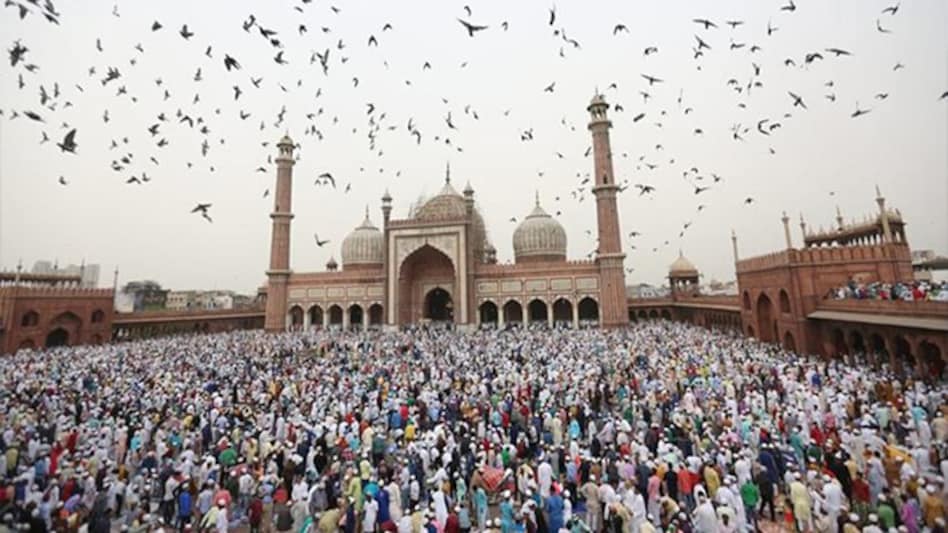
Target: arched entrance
(643, 315)
(438, 306)
(903, 354)
(426, 285)
(562, 312)
(930, 355)
(536, 310)
(64, 330)
(666, 315)
(839, 343)
(788, 342)
(488, 313)
(858, 344)
(765, 321)
(355, 316)
(335, 315)
(588, 311)
(316, 316)
(513, 312)
(57, 337)
(879, 353)
(653, 314)
(296, 317)
(376, 315)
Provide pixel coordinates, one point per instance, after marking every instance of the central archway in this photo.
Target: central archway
(57, 337)
(765, 321)
(439, 307)
(421, 274)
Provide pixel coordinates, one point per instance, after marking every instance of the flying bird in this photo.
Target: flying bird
(187, 34)
(892, 10)
(618, 28)
(652, 80)
(549, 88)
(706, 23)
(789, 7)
(838, 52)
(471, 28)
(859, 112)
(650, 50)
(797, 100)
(231, 63)
(880, 28)
(69, 142)
(201, 208)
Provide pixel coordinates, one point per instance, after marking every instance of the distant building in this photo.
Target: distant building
(925, 262)
(146, 295)
(88, 274)
(645, 290)
(183, 300)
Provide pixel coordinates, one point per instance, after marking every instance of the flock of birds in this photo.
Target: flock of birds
(183, 112)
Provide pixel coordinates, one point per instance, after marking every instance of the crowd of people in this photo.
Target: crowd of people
(659, 426)
(913, 291)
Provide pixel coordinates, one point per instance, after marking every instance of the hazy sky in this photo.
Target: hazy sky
(148, 232)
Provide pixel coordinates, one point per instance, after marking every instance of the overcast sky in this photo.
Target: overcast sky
(820, 156)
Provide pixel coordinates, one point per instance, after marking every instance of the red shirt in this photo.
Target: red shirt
(861, 490)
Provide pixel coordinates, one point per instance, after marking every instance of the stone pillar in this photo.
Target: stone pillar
(500, 317)
(549, 314)
(278, 274)
(886, 230)
(306, 320)
(345, 319)
(575, 307)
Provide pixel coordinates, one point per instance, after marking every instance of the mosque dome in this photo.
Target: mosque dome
(682, 267)
(446, 205)
(363, 246)
(449, 205)
(539, 236)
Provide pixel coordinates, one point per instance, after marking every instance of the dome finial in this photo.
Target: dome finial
(538, 198)
(447, 173)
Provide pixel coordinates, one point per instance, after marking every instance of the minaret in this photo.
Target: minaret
(279, 273)
(886, 231)
(803, 230)
(839, 219)
(386, 208)
(734, 245)
(786, 229)
(612, 299)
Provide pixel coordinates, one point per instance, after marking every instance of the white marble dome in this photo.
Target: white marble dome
(363, 246)
(539, 236)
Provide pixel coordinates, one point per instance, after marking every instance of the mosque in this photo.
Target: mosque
(438, 265)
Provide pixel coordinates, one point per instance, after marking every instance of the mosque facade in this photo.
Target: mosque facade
(438, 265)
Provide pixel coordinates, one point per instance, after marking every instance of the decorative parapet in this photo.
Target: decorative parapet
(922, 308)
(54, 292)
(825, 255)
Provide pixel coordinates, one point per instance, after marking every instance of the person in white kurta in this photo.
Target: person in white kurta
(440, 506)
(545, 478)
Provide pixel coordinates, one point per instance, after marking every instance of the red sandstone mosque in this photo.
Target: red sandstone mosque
(438, 265)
